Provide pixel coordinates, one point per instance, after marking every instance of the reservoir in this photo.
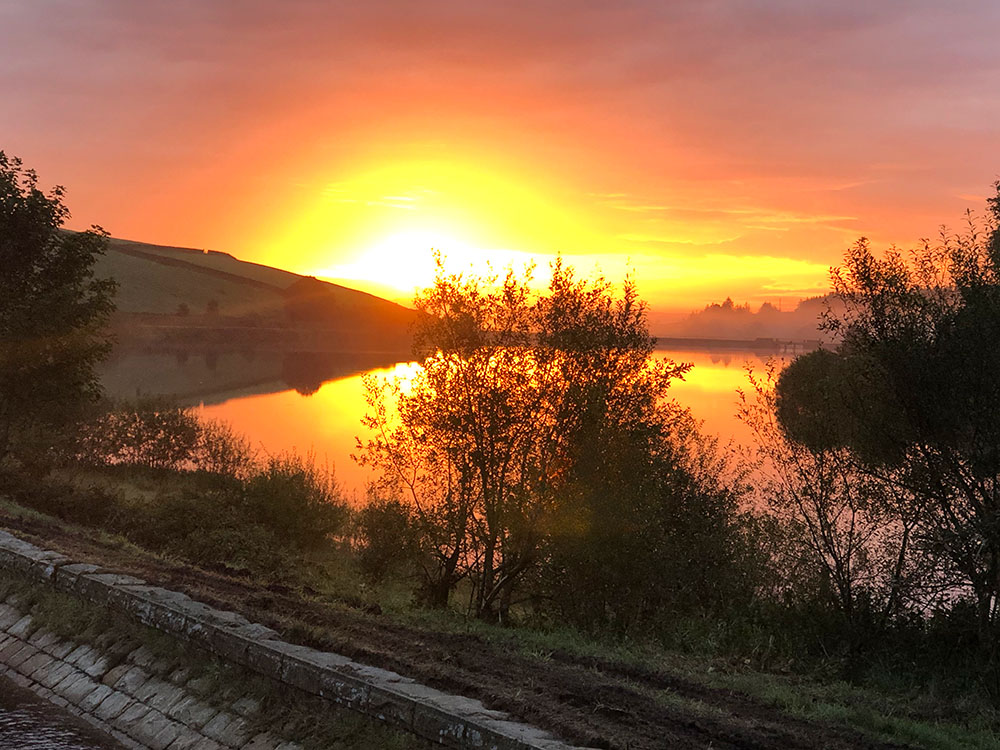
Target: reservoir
(29, 723)
(313, 404)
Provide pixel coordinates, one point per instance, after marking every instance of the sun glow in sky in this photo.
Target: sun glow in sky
(730, 148)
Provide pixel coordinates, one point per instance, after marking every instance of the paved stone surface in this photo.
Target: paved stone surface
(112, 706)
(167, 717)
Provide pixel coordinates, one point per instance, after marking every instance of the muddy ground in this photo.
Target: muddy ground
(592, 702)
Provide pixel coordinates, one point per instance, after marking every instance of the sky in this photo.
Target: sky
(711, 148)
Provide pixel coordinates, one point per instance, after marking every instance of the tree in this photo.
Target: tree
(912, 389)
(848, 533)
(53, 312)
(487, 439)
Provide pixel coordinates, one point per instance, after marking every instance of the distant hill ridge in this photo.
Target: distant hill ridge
(176, 296)
(131, 248)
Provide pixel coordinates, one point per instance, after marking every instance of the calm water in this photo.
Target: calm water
(315, 404)
(29, 723)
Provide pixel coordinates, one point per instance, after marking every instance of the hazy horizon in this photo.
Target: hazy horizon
(717, 149)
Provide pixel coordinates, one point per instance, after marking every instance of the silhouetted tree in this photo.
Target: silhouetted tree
(53, 312)
(913, 390)
(848, 532)
(517, 395)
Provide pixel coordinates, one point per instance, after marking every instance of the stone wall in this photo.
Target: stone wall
(139, 701)
(449, 720)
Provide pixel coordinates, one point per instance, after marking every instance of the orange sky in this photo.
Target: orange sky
(716, 148)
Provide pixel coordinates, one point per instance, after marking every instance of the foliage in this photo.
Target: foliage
(848, 535)
(912, 391)
(651, 532)
(296, 500)
(239, 507)
(158, 434)
(148, 432)
(387, 537)
(222, 450)
(53, 311)
(539, 453)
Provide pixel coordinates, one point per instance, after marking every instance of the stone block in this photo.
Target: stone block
(131, 681)
(154, 730)
(56, 673)
(511, 735)
(76, 686)
(187, 739)
(133, 714)
(436, 725)
(264, 659)
(29, 560)
(12, 646)
(303, 674)
(192, 712)
(99, 588)
(227, 644)
(160, 695)
(113, 705)
(257, 632)
(116, 673)
(88, 661)
(217, 726)
(8, 616)
(61, 649)
(39, 661)
(141, 657)
(94, 699)
(263, 741)
(246, 706)
(235, 734)
(390, 706)
(23, 628)
(347, 691)
(67, 575)
(43, 639)
(21, 655)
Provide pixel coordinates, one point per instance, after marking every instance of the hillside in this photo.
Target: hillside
(174, 297)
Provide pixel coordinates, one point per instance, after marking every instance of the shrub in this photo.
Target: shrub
(148, 432)
(297, 500)
(386, 538)
(221, 450)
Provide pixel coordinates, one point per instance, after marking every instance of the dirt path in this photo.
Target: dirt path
(593, 702)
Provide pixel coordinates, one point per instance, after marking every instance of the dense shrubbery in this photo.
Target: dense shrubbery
(197, 489)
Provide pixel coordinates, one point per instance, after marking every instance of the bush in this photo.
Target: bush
(206, 528)
(386, 538)
(149, 432)
(221, 450)
(296, 500)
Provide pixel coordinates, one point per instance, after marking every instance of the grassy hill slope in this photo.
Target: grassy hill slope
(182, 287)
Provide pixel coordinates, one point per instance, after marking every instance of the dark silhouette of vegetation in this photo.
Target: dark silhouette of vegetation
(197, 489)
(53, 314)
(911, 395)
(541, 457)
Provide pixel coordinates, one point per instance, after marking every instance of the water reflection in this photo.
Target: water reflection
(314, 402)
(29, 723)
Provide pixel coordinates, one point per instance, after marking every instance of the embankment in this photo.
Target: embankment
(152, 703)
